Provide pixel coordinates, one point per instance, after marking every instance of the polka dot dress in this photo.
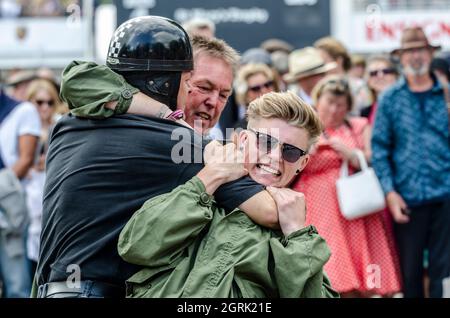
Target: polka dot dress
(363, 256)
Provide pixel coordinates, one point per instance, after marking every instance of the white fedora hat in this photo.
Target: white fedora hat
(306, 62)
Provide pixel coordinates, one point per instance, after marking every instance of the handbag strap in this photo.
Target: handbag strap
(362, 163)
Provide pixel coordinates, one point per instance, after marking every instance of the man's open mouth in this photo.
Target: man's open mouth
(268, 169)
(204, 116)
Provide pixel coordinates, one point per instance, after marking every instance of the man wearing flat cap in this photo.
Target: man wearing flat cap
(411, 156)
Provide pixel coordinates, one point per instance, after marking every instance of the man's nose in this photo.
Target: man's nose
(333, 108)
(213, 99)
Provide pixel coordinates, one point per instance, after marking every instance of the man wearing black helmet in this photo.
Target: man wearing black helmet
(93, 90)
(100, 172)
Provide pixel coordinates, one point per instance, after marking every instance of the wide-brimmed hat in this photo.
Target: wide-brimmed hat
(413, 38)
(20, 77)
(306, 62)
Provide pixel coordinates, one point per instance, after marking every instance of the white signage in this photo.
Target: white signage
(34, 42)
(381, 32)
(224, 15)
(300, 2)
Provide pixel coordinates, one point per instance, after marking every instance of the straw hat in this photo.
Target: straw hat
(306, 62)
(413, 38)
(20, 77)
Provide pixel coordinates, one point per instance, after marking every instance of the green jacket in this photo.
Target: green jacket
(194, 249)
(86, 87)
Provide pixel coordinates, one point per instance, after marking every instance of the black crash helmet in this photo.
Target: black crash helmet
(150, 43)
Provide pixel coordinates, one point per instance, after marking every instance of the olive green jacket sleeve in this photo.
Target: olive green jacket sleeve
(299, 260)
(164, 226)
(163, 233)
(34, 288)
(86, 87)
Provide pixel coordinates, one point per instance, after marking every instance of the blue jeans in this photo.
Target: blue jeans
(14, 271)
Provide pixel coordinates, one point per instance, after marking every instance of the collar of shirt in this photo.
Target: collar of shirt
(436, 89)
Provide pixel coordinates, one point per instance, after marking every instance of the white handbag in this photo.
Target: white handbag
(359, 194)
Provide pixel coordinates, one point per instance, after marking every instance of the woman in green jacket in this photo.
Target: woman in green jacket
(195, 249)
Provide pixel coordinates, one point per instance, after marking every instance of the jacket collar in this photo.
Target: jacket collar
(402, 83)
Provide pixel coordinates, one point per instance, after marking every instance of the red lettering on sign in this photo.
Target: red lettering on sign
(392, 30)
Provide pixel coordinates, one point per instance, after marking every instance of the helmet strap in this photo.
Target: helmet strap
(161, 86)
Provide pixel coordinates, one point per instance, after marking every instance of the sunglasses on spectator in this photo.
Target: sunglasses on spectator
(258, 88)
(266, 143)
(41, 102)
(385, 71)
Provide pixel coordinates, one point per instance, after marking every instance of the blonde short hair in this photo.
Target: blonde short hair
(290, 108)
(244, 73)
(358, 60)
(215, 48)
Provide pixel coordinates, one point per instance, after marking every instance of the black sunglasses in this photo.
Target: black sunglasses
(41, 102)
(258, 88)
(266, 143)
(385, 71)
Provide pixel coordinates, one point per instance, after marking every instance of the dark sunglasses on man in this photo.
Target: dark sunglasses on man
(385, 71)
(258, 88)
(266, 143)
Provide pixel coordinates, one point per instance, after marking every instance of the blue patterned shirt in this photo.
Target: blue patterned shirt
(411, 144)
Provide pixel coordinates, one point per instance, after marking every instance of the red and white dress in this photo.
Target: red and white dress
(363, 256)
